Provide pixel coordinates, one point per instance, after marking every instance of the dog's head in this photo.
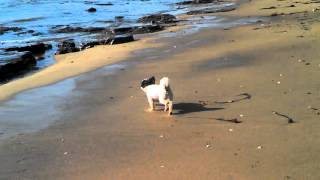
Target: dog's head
(147, 82)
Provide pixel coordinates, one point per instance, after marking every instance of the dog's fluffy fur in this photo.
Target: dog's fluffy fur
(159, 92)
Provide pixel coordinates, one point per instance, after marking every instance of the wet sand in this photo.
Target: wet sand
(105, 133)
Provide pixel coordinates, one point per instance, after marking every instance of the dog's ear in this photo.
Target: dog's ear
(153, 80)
(147, 82)
(143, 83)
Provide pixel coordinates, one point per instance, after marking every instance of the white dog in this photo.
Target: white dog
(160, 92)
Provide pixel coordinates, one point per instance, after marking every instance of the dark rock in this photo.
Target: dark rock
(197, 2)
(121, 39)
(31, 31)
(26, 32)
(37, 34)
(6, 29)
(34, 49)
(17, 66)
(123, 30)
(137, 29)
(92, 9)
(67, 46)
(271, 7)
(104, 4)
(117, 39)
(69, 29)
(94, 43)
(118, 19)
(212, 10)
(119, 30)
(147, 29)
(158, 19)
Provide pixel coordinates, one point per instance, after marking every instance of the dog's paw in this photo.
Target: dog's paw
(149, 110)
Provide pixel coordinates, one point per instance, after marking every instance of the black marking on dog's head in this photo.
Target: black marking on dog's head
(147, 82)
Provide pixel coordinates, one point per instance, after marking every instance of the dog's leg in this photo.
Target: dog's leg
(151, 105)
(165, 107)
(165, 103)
(170, 108)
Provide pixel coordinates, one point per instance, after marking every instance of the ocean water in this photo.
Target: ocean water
(38, 17)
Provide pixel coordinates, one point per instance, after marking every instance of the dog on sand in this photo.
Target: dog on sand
(158, 92)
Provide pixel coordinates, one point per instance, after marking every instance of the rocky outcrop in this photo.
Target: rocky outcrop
(148, 29)
(104, 4)
(34, 49)
(212, 10)
(158, 19)
(137, 29)
(69, 29)
(117, 31)
(197, 2)
(121, 39)
(4, 29)
(94, 43)
(92, 9)
(16, 66)
(67, 46)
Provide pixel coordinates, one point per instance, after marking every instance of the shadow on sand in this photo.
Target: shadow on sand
(185, 108)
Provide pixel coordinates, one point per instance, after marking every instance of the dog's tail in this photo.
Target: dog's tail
(164, 82)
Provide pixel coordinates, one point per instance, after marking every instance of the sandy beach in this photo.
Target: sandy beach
(246, 105)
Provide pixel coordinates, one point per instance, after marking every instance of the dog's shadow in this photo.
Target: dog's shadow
(187, 107)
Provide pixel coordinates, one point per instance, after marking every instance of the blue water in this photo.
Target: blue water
(42, 15)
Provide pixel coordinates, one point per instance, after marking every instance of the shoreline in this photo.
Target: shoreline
(48, 76)
(68, 66)
(104, 132)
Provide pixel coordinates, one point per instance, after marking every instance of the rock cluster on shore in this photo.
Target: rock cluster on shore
(23, 61)
(150, 23)
(26, 56)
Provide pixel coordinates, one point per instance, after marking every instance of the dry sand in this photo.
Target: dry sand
(106, 134)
